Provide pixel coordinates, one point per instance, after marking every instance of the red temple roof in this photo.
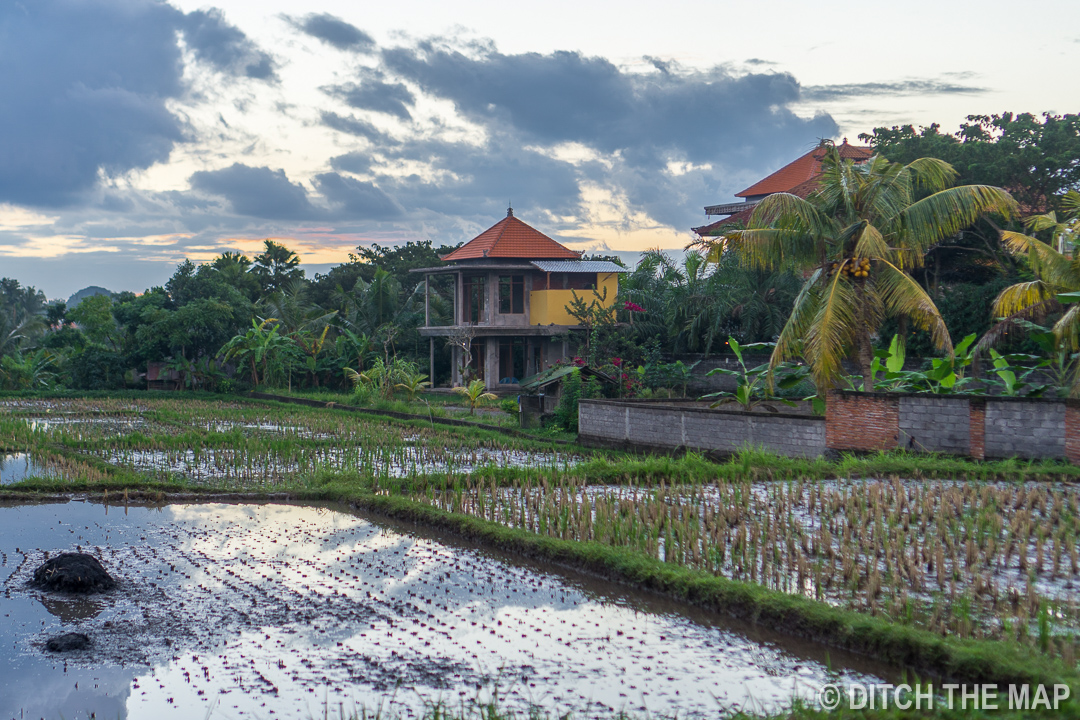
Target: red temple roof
(804, 170)
(511, 238)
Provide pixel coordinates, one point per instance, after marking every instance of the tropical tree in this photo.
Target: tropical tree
(29, 371)
(276, 267)
(855, 238)
(262, 350)
(1057, 273)
(476, 394)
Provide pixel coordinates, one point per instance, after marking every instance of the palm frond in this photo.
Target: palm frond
(772, 248)
(931, 174)
(871, 244)
(929, 221)
(1021, 297)
(803, 311)
(788, 211)
(901, 295)
(831, 332)
(1047, 263)
(1067, 329)
(998, 331)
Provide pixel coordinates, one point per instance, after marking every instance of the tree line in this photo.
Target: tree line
(939, 236)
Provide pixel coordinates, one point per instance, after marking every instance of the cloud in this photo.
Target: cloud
(466, 180)
(357, 200)
(569, 97)
(86, 87)
(257, 191)
(375, 94)
(820, 93)
(354, 162)
(351, 125)
(225, 46)
(721, 125)
(333, 31)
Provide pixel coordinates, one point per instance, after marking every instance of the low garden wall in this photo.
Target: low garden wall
(672, 425)
(974, 426)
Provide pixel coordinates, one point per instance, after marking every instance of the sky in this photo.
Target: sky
(137, 133)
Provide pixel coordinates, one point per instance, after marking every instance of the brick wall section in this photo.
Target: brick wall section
(1072, 431)
(1027, 429)
(670, 427)
(977, 427)
(862, 421)
(932, 423)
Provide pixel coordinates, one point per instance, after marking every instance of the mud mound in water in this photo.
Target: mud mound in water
(74, 573)
(68, 642)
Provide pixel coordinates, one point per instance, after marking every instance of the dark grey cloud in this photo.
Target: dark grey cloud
(820, 93)
(354, 162)
(225, 46)
(569, 97)
(351, 125)
(714, 125)
(85, 86)
(257, 191)
(375, 94)
(476, 182)
(333, 31)
(356, 199)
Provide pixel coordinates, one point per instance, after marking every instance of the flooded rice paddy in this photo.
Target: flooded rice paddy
(234, 444)
(970, 558)
(285, 611)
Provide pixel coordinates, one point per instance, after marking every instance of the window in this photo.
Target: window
(474, 299)
(478, 359)
(512, 294)
(511, 360)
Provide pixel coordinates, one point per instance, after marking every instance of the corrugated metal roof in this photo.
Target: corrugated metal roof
(581, 266)
(558, 372)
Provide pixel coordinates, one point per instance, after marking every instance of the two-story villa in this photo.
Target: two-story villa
(511, 285)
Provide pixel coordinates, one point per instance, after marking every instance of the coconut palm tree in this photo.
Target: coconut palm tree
(475, 393)
(1057, 272)
(855, 238)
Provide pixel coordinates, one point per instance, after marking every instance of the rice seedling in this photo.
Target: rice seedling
(971, 559)
(229, 444)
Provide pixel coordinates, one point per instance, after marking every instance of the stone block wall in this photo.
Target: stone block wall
(684, 426)
(934, 423)
(1032, 429)
(978, 427)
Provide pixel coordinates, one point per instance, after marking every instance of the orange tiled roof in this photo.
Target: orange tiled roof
(807, 168)
(717, 228)
(511, 238)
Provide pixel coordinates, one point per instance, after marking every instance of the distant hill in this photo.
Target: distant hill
(85, 293)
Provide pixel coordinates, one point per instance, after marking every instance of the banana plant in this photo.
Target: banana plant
(754, 386)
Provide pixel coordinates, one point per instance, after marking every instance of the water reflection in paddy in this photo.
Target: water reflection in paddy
(16, 467)
(277, 610)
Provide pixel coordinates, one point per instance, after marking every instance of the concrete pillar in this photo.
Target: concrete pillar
(431, 361)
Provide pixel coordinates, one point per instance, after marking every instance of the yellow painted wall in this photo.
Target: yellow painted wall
(548, 307)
